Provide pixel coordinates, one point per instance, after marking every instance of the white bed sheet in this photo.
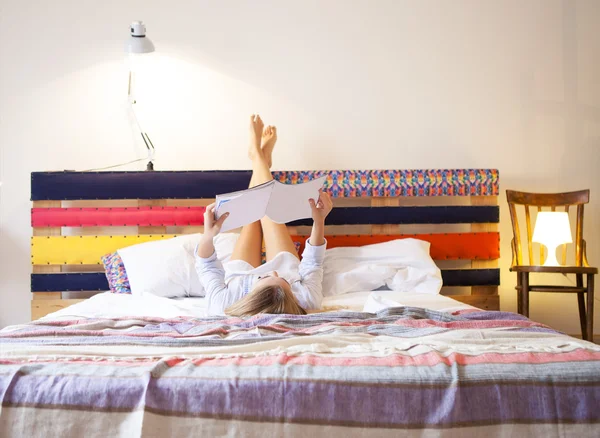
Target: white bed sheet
(109, 305)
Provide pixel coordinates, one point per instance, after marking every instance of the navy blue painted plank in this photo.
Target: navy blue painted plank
(68, 282)
(409, 215)
(69, 186)
(471, 277)
(95, 281)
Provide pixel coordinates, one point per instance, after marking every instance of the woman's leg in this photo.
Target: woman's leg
(249, 245)
(277, 237)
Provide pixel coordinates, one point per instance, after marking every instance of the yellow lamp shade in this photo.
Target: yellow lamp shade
(552, 228)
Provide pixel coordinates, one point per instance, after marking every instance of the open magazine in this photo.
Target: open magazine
(282, 203)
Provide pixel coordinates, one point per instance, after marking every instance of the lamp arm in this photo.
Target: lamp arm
(132, 102)
(145, 137)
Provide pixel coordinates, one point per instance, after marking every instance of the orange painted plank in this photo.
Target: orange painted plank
(446, 246)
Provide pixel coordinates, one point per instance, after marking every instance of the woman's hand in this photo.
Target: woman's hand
(321, 208)
(212, 227)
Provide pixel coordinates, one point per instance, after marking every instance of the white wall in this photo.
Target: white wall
(509, 84)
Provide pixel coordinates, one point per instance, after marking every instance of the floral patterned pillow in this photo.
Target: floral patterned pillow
(116, 273)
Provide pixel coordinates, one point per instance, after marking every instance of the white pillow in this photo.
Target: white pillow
(165, 268)
(402, 265)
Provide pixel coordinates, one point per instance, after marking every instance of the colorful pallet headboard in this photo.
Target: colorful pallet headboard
(74, 216)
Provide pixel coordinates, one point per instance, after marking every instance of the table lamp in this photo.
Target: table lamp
(138, 44)
(552, 229)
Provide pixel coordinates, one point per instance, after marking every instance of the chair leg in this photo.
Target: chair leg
(581, 303)
(525, 294)
(519, 294)
(590, 308)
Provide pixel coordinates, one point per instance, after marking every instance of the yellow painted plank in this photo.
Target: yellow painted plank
(87, 250)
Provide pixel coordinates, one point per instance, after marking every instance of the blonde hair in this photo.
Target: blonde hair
(267, 299)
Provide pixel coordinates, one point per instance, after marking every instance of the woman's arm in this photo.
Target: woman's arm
(212, 277)
(320, 210)
(206, 248)
(212, 227)
(311, 274)
(311, 266)
(209, 268)
(317, 235)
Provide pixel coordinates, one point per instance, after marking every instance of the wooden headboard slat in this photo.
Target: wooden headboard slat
(170, 216)
(206, 184)
(96, 281)
(87, 250)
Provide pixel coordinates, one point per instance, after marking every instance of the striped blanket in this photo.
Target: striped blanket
(404, 371)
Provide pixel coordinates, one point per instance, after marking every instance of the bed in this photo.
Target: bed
(434, 365)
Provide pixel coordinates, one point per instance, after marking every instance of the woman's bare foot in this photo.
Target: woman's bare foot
(269, 138)
(256, 129)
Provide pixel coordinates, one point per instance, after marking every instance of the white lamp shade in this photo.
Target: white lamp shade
(138, 42)
(139, 45)
(552, 228)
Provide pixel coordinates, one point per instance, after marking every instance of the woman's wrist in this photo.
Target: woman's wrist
(319, 223)
(317, 236)
(206, 237)
(205, 246)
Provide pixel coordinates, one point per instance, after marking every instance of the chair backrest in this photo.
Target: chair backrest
(554, 201)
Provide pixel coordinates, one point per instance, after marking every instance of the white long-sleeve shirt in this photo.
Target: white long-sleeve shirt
(308, 290)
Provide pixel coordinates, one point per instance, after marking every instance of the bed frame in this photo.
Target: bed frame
(79, 216)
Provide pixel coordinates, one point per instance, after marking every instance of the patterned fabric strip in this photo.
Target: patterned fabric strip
(428, 182)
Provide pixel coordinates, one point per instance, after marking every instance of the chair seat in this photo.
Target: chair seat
(555, 269)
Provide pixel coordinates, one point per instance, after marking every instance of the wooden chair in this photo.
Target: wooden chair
(581, 267)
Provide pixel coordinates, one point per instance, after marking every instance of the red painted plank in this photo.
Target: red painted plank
(125, 216)
(444, 246)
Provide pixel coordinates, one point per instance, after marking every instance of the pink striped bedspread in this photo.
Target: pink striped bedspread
(402, 372)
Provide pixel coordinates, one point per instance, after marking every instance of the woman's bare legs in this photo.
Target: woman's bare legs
(269, 139)
(277, 237)
(249, 245)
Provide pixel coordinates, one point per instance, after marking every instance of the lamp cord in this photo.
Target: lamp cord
(116, 165)
(147, 142)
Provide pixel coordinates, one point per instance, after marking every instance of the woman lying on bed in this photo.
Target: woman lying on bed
(284, 284)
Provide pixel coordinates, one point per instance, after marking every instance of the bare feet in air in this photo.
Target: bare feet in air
(269, 138)
(256, 130)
